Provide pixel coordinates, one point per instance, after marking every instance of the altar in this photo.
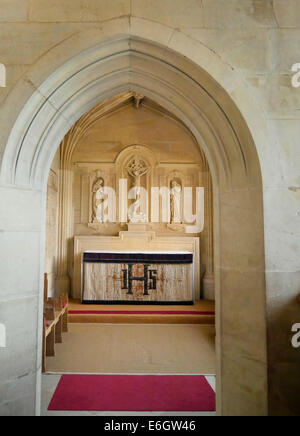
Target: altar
(136, 267)
(131, 277)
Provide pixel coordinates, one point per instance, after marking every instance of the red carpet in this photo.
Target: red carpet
(166, 393)
(138, 312)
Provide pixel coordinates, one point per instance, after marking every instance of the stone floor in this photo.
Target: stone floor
(133, 349)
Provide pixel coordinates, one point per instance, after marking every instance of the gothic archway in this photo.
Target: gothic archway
(183, 88)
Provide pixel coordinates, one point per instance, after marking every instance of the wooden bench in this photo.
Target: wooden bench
(55, 323)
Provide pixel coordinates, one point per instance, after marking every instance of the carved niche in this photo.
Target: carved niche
(129, 183)
(98, 196)
(135, 167)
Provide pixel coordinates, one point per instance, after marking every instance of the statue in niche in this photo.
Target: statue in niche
(176, 202)
(137, 168)
(98, 201)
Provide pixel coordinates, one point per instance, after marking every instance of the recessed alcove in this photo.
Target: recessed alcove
(99, 147)
(127, 135)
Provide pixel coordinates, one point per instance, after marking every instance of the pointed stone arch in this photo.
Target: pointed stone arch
(131, 64)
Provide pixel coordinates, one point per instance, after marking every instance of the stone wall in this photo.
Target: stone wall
(258, 40)
(171, 146)
(52, 220)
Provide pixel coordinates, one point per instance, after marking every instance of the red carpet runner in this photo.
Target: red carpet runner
(138, 312)
(142, 393)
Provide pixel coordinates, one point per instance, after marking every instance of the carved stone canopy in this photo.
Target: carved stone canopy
(139, 152)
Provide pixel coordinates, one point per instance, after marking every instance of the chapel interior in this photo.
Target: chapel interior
(149, 207)
(128, 133)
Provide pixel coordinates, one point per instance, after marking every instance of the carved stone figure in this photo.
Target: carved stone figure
(98, 196)
(138, 98)
(176, 201)
(137, 168)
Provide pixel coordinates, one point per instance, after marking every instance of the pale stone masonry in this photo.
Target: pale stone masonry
(248, 47)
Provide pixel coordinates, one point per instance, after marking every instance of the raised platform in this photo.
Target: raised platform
(202, 312)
